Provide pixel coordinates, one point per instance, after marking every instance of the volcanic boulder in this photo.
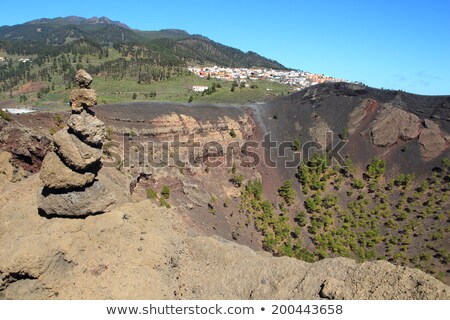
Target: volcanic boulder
(89, 200)
(56, 175)
(76, 154)
(88, 128)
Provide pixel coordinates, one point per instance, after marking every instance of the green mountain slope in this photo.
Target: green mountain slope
(44, 35)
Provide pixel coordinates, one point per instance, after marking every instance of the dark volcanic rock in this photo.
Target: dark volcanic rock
(81, 202)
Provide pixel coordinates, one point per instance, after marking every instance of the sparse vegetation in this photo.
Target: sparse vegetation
(237, 180)
(287, 192)
(164, 203)
(232, 133)
(151, 194)
(165, 193)
(296, 145)
(5, 115)
(387, 220)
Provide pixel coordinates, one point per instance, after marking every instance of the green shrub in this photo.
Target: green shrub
(376, 168)
(287, 192)
(237, 180)
(165, 193)
(255, 188)
(297, 145)
(232, 133)
(58, 120)
(164, 203)
(300, 218)
(5, 115)
(108, 133)
(151, 194)
(358, 184)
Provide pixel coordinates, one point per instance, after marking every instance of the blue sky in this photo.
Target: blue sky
(391, 44)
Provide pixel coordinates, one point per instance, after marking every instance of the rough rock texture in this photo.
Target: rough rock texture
(142, 251)
(319, 132)
(82, 98)
(76, 154)
(27, 147)
(357, 116)
(432, 141)
(252, 275)
(93, 199)
(195, 195)
(56, 175)
(392, 124)
(9, 172)
(88, 128)
(83, 78)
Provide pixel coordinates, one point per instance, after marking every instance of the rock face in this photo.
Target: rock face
(431, 140)
(27, 147)
(392, 124)
(357, 116)
(9, 172)
(69, 174)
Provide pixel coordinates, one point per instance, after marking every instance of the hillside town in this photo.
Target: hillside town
(294, 78)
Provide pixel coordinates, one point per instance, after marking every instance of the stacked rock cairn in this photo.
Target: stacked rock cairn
(69, 172)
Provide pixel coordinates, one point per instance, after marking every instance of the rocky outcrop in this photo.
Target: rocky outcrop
(254, 275)
(319, 132)
(9, 172)
(432, 140)
(69, 174)
(361, 113)
(392, 124)
(195, 195)
(27, 147)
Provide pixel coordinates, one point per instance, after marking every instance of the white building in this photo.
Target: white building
(199, 88)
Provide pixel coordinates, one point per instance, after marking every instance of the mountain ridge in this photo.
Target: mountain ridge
(60, 32)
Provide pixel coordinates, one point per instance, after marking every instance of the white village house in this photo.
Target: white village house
(199, 88)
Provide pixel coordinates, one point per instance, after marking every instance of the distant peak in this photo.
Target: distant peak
(106, 20)
(78, 20)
